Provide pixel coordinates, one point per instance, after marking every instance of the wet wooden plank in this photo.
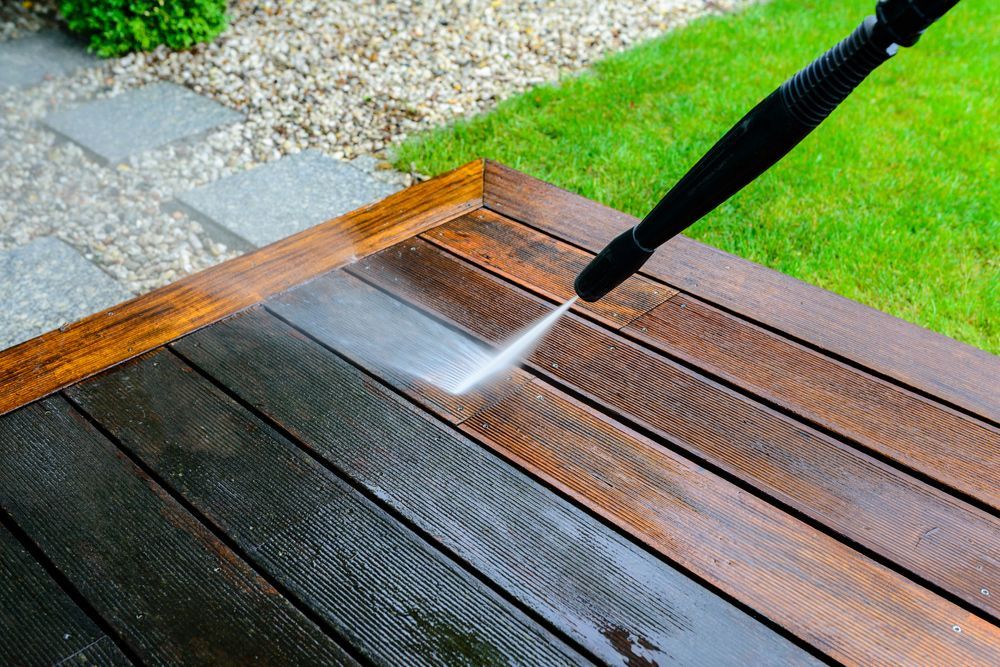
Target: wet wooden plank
(957, 373)
(926, 531)
(59, 358)
(619, 601)
(171, 591)
(411, 354)
(695, 518)
(953, 448)
(854, 610)
(543, 264)
(41, 625)
(380, 586)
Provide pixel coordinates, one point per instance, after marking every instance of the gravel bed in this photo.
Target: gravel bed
(353, 78)
(18, 18)
(348, 78)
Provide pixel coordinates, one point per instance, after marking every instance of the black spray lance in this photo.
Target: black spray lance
(762, 137)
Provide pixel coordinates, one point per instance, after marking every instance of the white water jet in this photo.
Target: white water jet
(518, 348)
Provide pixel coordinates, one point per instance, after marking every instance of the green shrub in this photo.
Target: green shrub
(117, 27)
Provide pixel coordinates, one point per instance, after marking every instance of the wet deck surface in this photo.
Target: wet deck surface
(666, 480)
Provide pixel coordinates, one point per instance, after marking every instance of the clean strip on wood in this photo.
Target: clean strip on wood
(822, 591)
(59, 358)
(956, 450)
(935, 364)
(41, 625)
(926, 531)
(170, 589)
(619, 601)
(383, 589)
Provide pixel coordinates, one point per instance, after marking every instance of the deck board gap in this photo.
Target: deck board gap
(380, 503)
(583, 508)
(583, 312)
(225, 539)
(609, 413)
(452, 245)
(971, 414)
(726, 382)
(67, 587)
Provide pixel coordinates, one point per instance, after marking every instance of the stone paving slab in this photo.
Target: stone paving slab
(46, 284)
(138, 120)
(256, 207)
(28, 60)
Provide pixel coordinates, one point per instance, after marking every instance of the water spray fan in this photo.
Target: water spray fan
(762, 137)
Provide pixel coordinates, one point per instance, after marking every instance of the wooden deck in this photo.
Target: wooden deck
(716, 465)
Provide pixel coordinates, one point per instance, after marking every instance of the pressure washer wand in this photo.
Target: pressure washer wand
(762, 137)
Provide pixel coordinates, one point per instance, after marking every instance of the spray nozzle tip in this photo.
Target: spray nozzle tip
(614, 265)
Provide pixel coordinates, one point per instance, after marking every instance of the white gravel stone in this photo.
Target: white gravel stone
(351, 79)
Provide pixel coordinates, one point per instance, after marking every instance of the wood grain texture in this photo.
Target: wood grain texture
(171, 591)
(543, 264)
(381, 587)
(39, 623)
(924, 530)
(957, 450)
(849, 607)
(59, 358)
(622, 603)
(952, 448)
(823, 591)
(957, 373)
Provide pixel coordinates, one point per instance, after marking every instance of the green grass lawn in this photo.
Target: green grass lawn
(891, 202)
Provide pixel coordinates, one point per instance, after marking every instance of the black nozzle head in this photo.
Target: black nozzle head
(613, 266)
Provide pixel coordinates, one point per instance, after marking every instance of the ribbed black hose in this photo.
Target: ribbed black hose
(817, 89)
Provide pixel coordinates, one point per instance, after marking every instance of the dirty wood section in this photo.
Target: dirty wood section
(934, 364)
(41, 623)
(856, 496)
(694, 471)
(931, 439)
(371, 566)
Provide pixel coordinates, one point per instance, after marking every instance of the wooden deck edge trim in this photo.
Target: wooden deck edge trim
(47, 363)
(938, 367)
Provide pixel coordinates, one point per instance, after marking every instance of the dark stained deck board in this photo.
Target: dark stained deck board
(171, 591)
(383, 589)
(953, 448)
(947, 446)
(39, 623)
(619, 601)
(543, 263)
(940, 366)
(861, 498)
(820, 590)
